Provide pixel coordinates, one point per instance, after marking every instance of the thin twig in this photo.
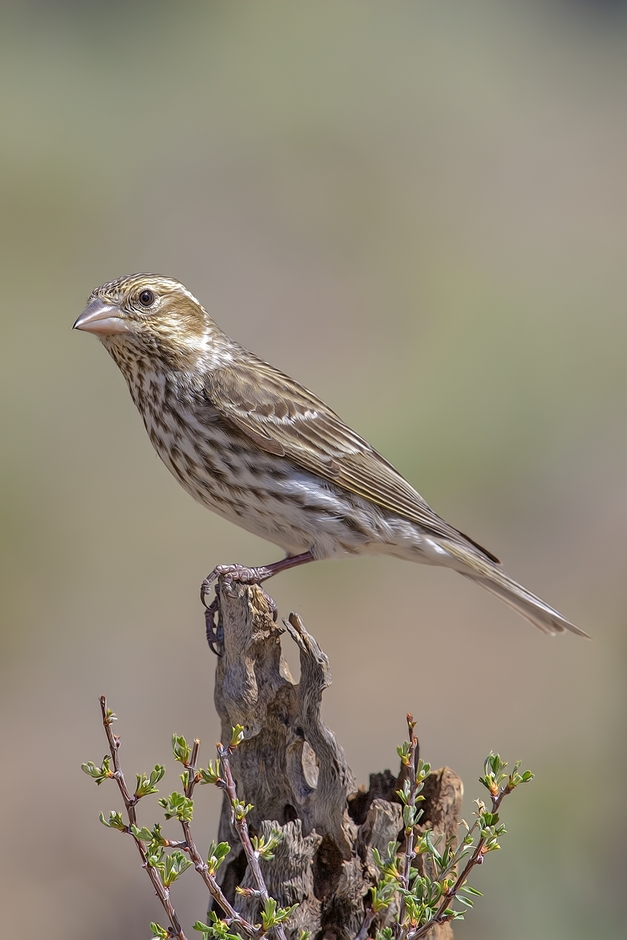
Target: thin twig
(411, 802)
(365, 927)
(477, 857)
(130, 802)
(241, 825)
(444, 913)
(200, 865)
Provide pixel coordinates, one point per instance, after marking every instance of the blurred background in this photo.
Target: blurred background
(420, 211)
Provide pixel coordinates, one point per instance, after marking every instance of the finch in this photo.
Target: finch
(255, 446)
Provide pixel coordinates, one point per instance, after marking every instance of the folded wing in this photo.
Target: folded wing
(284, 418)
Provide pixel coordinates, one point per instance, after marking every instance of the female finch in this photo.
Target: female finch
(255, 446)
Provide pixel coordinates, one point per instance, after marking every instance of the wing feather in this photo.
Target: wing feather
(284, 418)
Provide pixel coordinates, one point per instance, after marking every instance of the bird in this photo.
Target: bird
(255, 446)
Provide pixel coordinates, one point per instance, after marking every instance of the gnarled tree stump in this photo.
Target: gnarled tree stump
(293, 771)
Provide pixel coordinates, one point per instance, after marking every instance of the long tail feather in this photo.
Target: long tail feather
(482, 571)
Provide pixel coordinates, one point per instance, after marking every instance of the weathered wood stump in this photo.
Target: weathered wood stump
(293, 771)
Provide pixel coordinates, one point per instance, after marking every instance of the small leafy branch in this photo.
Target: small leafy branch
(422, 879)
(421, 897)
(165, 860)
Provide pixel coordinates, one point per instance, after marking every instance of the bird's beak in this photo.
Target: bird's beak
(102, 319)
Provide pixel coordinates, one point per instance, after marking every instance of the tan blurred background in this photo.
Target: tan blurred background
(420, 211)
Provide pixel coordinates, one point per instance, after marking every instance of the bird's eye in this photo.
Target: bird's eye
(146, 298)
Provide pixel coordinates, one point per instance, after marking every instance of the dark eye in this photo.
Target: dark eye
(146, 298)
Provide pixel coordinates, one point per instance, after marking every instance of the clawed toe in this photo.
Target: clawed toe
(233, 573)
(214, 632)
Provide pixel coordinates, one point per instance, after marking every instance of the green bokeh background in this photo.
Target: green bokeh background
(420, 210)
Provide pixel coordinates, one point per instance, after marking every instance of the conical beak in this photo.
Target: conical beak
(102, 319)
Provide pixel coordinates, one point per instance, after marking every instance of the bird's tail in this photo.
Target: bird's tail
(484, 572)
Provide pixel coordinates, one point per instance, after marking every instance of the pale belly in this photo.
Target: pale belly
(270, 496)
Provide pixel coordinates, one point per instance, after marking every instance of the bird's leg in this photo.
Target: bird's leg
(248, 576)
(290, 561)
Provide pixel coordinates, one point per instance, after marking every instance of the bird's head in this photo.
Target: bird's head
(150, 315)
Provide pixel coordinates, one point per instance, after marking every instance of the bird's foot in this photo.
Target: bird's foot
(231, 573)
(253, 575)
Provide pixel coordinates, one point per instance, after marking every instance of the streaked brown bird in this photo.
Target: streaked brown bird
(258, 448)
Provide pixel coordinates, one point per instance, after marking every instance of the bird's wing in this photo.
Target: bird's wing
(284, 418)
